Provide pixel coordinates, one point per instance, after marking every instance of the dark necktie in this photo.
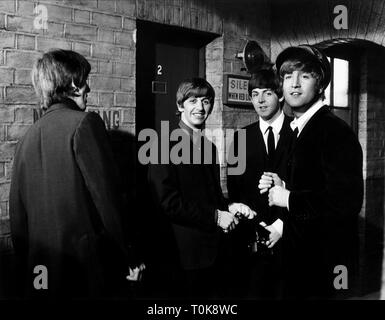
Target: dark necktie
(295, 133)
(270, 145)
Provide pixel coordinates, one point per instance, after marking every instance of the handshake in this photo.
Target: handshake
(228, 220)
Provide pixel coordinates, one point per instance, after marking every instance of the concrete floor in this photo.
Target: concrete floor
(370, 296)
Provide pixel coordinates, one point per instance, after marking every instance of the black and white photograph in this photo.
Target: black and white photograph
(192, 156)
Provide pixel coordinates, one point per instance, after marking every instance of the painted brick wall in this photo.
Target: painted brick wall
(104, 31)
(239, 26)
(100, 30)
(372, 137)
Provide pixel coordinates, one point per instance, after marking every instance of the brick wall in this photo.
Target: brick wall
(372, 137)
(100, 30)
(104, 32)
(239, 27)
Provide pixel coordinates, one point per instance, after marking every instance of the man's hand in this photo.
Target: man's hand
(279, 196)
(227, 221)
(242, 209)
(274, 235)
(268, 180)
(136, 273)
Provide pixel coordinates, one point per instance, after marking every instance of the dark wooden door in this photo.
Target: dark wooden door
(173, 64)
(165, 56)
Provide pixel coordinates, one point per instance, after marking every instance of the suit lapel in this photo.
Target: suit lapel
(260, 143)
(284, 142)
(307, 127)
(255, 147)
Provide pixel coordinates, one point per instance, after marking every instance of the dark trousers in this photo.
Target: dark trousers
(266, 277)
(196, 284)
(259, 275)
(213, 282)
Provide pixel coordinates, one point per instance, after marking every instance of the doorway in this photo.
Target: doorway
(365, 114)
(165, 56)
(342, 94)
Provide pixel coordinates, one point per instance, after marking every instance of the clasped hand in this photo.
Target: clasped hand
(228, 220)
(278, 194)
(268, 180)
(241, 210)
(135, 274)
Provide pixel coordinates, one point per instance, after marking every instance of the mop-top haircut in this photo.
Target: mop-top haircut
(265, 79)
(195, 87)
(304, 65)
(308, 59)
(57, 74)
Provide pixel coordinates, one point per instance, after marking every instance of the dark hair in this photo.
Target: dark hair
(265, 78)
(195, 87)
(55, 73)
(306, 66)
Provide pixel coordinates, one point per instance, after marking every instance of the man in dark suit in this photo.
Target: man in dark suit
(324, 191)
(65, 207)
(267, 144)
(189, 197)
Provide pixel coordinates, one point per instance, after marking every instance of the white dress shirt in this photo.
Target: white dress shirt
(301, 121)
(276, 125)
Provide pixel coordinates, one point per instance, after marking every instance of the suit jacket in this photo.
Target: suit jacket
(187, 195)
(65, 210)
(326, 183)
(244, 188)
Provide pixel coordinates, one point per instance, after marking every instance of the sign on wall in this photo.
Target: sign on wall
(111, 118)
(236, 90)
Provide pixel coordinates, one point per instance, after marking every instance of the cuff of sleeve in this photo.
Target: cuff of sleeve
(288, 201)
(216, 216)
(278, 225)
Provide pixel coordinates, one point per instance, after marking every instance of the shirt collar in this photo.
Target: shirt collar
(301, 122)
(277, 124)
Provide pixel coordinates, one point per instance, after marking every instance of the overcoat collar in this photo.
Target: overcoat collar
(67, 103)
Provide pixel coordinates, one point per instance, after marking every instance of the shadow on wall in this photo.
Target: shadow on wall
(124, 148)
(143, 224)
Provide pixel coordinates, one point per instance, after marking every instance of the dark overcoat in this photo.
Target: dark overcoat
(65, 207)
(326, 184)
